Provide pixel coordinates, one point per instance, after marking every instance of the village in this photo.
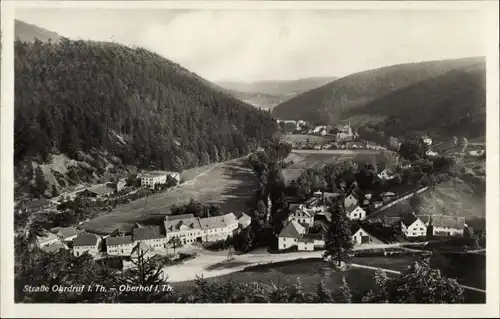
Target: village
(304, 230)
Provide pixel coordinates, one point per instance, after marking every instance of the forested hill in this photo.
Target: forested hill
(451, 104)
(334, 101)
(81, 96)
(29, 32)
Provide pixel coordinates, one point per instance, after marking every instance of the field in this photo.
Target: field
(230, 184)
(305, 159)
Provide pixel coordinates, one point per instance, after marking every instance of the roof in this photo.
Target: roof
(119, 240)
(100, 189)
(314, 236)
(176, 217)
(292, 230)
(188, 220)
(53, 248)
(147, 233)
(217, 221)
(66, 232)
(351, 208)
(306, 240)
(388, 194)
(243, 217)
(293, 207)
(409, 219)
(355, 227)
(444, 221)
(85, 239)
(46, 237)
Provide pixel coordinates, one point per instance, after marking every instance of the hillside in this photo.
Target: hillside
(337, 100)
(451, 104)
(108, 106)
(29, 32)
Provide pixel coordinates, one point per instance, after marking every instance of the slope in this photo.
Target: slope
(451, 104)
(80, 98)
(334, 101)
(29, 32)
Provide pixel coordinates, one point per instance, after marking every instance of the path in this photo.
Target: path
(398, 273)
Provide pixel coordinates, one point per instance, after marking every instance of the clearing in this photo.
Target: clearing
(303, 138)
(230, 184)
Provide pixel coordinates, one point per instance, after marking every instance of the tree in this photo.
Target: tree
(248, 239)
(323, 295)
(145, 273)
(40, 182)
(420, 283)
(345, 292)
(175, 242)
(338, 242)
(412, 150)
(55, 193)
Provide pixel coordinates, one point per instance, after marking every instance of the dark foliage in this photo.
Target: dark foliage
(77, 96)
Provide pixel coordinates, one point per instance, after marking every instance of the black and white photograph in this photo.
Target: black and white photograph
(246, 153)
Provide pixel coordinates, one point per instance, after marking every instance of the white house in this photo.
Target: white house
(243, 220)
(355, 212)
(385, 175)
(361, 236)
(305, 244)
(290, 235)
(119, 245)
(47, 239)
(426, 140)
(302, 215)
(218, 227)
(443, 225)
(476, 152)
(431, 153)
(150, 236)
(150, 180)
(185, 227)
(86, 242)
(412, 226)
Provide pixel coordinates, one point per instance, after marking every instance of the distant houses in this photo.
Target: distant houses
(414, 225)
(151, 179)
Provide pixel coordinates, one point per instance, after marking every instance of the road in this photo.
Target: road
(338, 152)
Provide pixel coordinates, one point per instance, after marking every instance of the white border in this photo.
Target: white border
(9, 309)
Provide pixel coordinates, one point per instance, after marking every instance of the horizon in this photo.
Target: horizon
(286, 45)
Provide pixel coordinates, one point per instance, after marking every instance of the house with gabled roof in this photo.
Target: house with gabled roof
(47, 239)
(444, 225)
(413, 226)
(350, 200)
(186, 227)
(290, 235)
(67, 233)
(151, 236)
(119, 245)
(243, 220)
(355, 212)
(302, 215)
(86, 242)
(360, 236)
(98, 191)
(218, 227)
(386, 175)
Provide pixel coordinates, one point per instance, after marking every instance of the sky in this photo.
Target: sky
(259, 45)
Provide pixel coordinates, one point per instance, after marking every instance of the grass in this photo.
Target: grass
(229, 185)
(360, 280)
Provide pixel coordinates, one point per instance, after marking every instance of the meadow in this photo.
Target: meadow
(229, 185)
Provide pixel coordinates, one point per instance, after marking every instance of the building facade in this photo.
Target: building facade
(86, 243)
(150, 180)
(412, 226)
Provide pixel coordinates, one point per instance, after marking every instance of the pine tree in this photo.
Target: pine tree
(338, 242)
(323, 295)
(345, 292)
(55, 193)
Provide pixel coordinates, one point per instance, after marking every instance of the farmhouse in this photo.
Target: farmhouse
(68, 233)
(361, 236)
(431, 153)
(350, 200)
(86, 242)
(302, 215)
(36, 205)
(120, 184)
(355, 212)
(310, 241)
(185, 227)
(442, 225)
(412, 226)
(150, 180)
(150, 236)
(47, 239)
(120, 245)
(290, 235)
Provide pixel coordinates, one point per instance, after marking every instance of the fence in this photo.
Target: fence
(399, 199)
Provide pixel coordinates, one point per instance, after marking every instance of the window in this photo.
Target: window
(284, 246)
(414, 234)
